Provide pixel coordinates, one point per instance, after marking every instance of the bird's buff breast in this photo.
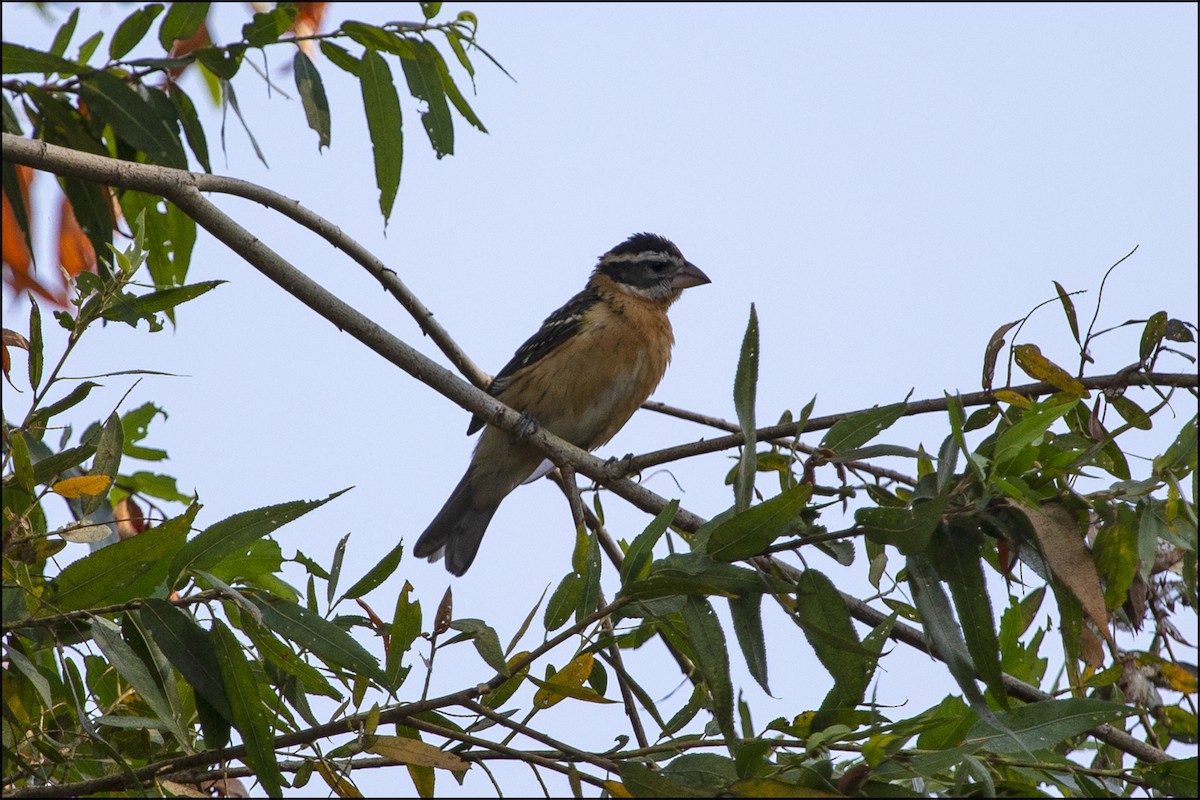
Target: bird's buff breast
(615, 362)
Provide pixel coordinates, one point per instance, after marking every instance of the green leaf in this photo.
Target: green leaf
(406, 627)
(36, 344)
(750, 532)
(1152, 335)
(697, 574)
(1131, 412)
(374, 37)
(134, 119)
(1172, 778)
(22, 463)
(266, 27)
(486, 642)
(190, 120)
(1180, 457)
(641, 781)
(956, 554)
(232, 535)
(107, 460)
(858, 429)
(249, 715)
(1013, 441)
(456, 98)
(641, 550)
(1038, 726)
(189, 649)
(1116, 555)
(424, 83)
(906, 529)
(564, 601)
(593, 566)
(132, 30)
(62, 39)
(168, 299)
(341, 58)
(181, 22)
(124, 570)
(378, 573)
(745, 385)
(746, 613)
(51, 466)
(312, 97)
(126, 661)
(822, 615)
(703, 631)
(382, 107)
(943, 631)
(329, 642)
(17, 59)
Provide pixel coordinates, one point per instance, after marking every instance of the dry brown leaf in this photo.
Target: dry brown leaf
(416, 753)
(1061, 539)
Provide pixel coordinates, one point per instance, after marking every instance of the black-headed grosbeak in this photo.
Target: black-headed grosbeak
(581, 376)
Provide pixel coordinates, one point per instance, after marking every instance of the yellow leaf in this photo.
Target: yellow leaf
(418, 754)
(1013, 398)
(339, 784)
(1037, 366)
(616, 789)
(571, 676)
(74, 488)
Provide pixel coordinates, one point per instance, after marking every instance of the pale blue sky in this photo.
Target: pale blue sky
(887, 183)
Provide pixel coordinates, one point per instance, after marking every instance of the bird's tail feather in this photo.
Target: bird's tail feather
(457, 529)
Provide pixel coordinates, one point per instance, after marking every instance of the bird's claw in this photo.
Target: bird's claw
(618, 467)
(526, 425)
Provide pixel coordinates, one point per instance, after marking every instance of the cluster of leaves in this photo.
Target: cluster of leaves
(135, 108)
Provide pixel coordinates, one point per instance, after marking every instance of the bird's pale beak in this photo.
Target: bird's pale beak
(689, 275)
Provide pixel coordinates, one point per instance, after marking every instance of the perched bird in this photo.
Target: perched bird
(581, 376)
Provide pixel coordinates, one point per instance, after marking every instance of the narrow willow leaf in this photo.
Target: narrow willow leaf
(1069, 310)
(1131, 412)
(487, 643)
(641, 550)
(1152, 335)
(406, 627)
(825, 620)
(750, 532)
(189, 119)
(232, 535)
(745, 385)
(189, 649)
(123, 570)
(382, 107)
(36, 344)
(703, 631)
(993, 349)
(416, 753)
(18, 59)
(424, 83)
(126, 661)
(107, 461)
(377, 574)
(312, 97)
(1032, 426)
(1030, 359)
(746, 613)
(858, 429)
(134, 119)
(567, 682)
(956, 553)
(306, 629)
(249, 715)
(1038, 726)
(62, 39)
(906, 529)
(563, 602)
(940, 626)
(181, 22)
(132, 30)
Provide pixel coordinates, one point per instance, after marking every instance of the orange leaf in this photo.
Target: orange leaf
(75, 251)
